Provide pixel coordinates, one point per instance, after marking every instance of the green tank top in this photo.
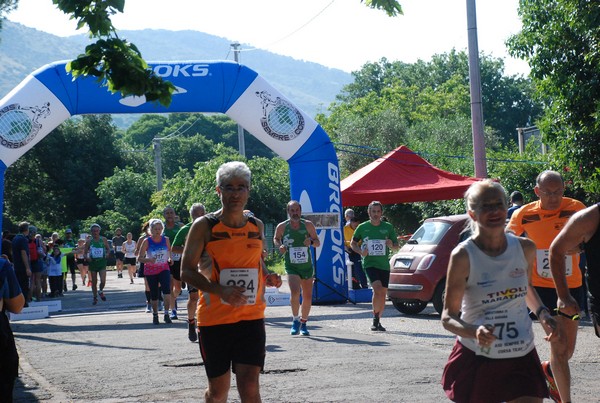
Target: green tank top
(297, 254)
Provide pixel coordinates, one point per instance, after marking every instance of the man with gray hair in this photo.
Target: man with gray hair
(348, 215)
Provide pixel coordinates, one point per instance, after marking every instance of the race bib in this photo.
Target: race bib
(376, 247)
(543, 263)
(96, 253)
(298, 254)
(160, 256)
(247, 278)
(175, 256)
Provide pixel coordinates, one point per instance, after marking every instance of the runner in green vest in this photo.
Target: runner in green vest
(96, 250)
(294, 237)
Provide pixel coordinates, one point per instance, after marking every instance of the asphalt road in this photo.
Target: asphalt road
(112, 353)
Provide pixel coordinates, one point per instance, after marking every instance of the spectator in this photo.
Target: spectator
(37, 266)
(359, 279)
(516, 201)
(11, 300)
(20, 252)
(7, 245)
(55, 275)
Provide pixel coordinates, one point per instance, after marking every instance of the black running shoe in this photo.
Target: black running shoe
(192, 335)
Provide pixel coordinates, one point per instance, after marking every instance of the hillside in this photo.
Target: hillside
(311, 86)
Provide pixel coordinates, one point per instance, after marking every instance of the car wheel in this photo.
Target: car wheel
(409, 307)
(438, 296)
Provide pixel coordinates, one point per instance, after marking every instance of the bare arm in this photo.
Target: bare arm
(313, 237)
(534, 303)
(459, 270)
(579, 229)
(277, 238)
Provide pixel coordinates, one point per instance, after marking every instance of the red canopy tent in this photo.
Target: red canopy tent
(402, 177)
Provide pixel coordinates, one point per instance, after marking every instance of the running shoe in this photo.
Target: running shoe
(173, 314)
(95, 301)
(167, 318)
(303, 330)
(74, 287)
(102, 296)
(120, 275)
(595, 321)
(295, 328)
(554, 395)
(192, 335)
(148, 308)
(131, 281)
(376, 326)
(155, 319)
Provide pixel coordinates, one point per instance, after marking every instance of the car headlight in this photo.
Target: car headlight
(426, 262)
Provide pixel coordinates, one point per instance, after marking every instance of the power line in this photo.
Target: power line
(293, 32)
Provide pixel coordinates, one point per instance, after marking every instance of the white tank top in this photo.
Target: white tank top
(495, 294)
(129, 249)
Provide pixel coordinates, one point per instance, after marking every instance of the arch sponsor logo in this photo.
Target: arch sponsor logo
(21, 124)
(280, 119)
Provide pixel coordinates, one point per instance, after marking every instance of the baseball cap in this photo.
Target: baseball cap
(68, 231)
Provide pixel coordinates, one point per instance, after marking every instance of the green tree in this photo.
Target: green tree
(58, 176)
(128, 194)
(559, 40)
(270, 186)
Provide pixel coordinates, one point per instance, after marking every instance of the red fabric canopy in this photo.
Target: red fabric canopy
(402, 177)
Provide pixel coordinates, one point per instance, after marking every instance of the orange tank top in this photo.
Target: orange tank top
(236, 260)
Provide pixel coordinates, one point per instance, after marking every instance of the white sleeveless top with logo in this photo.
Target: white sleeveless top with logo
(495, 295)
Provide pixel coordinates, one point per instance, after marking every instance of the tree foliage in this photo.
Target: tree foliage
(58, 176)
(269, 194)
(559, 40)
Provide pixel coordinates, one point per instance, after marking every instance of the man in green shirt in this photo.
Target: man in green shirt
(171, 229)
(196, 211)
(377, 237)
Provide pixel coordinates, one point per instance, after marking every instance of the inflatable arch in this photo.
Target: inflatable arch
(49, 96)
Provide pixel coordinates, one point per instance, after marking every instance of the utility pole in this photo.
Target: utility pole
(475, 86)
(241, 143)
(157, 161)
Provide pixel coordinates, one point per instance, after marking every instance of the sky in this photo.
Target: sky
(343, 34)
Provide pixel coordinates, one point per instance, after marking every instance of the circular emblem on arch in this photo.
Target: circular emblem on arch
(19, 125)
(280, 119)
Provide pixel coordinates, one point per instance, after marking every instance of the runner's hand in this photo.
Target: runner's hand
(233, 295)
(273, 280)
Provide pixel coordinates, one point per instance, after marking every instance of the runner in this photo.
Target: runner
(488, 290)
(96, 249)
(128, 250)
(155, 253)
(293, 238)
(230, 316)
(196, 211)
(378, 238)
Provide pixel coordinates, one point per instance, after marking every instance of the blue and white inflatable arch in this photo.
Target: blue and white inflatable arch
(49, 96)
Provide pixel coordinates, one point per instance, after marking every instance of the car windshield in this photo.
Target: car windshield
(429, 233)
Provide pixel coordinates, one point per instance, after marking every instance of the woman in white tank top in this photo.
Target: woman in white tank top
(488, 291)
